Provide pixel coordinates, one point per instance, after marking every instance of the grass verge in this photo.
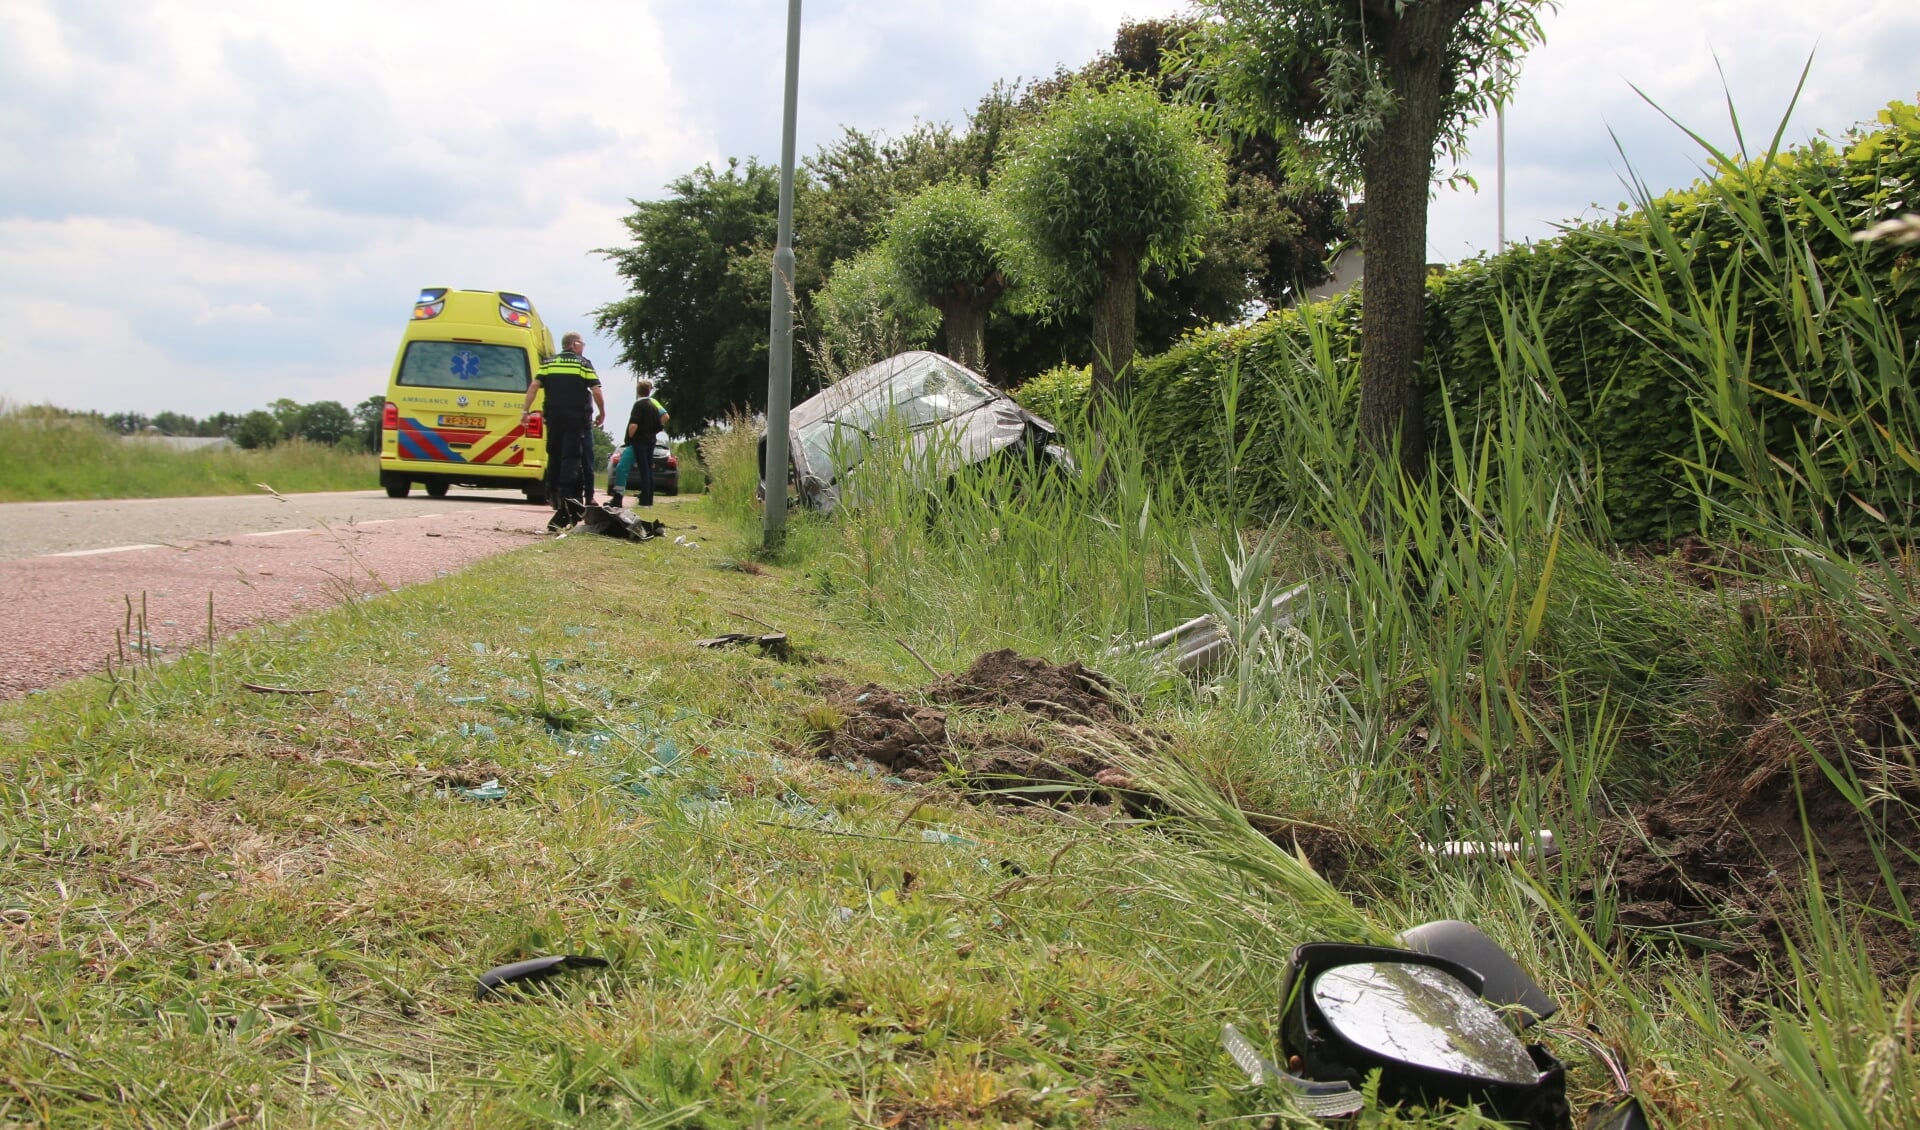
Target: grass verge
(44, 457)
(227, 908)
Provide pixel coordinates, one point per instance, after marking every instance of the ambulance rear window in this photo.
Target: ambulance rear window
(459, 364)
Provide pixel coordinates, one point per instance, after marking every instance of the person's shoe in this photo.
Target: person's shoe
(616, 500)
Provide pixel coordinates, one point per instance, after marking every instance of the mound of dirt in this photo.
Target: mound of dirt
(1005, 678)
(1722, 866)
(1051, 758)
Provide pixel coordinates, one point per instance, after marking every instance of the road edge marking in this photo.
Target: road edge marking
(110, 549)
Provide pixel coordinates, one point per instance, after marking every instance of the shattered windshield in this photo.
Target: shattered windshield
(926, 391)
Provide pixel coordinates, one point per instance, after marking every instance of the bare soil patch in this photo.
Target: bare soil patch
(1724, 865)
(1032, 730)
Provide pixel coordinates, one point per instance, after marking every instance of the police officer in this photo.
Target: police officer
(574, 408)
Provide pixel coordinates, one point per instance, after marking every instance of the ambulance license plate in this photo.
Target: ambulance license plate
(463, 421)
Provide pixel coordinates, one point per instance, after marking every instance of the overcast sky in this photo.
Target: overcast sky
(206, 205)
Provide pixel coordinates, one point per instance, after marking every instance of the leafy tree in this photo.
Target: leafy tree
(698, 266)
(1370, 93)
(1105, 183)
(286, 413)
(864, 313)
(366, 421)
(257, 429)
(852, 186)
(176, 424)
(126, 423)
(948, 245)
(323, 421)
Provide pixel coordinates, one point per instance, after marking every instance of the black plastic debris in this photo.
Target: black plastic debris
(773, 643)
(533, 969)
(620, 525)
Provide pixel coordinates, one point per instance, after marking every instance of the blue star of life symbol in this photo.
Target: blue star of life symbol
(465, 365)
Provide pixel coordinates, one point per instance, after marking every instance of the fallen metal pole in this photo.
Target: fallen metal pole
(1202, 643)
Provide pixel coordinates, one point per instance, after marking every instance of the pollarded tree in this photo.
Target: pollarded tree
(948, 246)
(1371, 93)
(864, 313)
(1104, 183)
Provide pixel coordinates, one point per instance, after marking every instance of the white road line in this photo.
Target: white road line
(113, 549)
(277, 533)
(375, 521)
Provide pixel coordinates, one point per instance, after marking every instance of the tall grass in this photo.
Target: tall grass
(1481, 660)
(1071, 560)
(47, 455)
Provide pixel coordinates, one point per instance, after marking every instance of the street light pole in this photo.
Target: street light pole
(1500, 163)
(1500, 178)
(780, 334)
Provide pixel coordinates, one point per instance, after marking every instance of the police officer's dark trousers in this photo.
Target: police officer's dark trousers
(566, 454)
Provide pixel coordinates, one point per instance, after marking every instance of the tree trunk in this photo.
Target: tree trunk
(1114, 306)
(1398, 167)
(966, 326)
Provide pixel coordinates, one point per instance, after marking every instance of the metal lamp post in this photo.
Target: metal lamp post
(780, 335)
(1500, 177)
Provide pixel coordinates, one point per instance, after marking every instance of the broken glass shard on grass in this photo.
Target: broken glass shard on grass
(489, 789)
(804, 810)
(700, 804)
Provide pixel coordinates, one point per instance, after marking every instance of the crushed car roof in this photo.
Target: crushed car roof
(924, 393)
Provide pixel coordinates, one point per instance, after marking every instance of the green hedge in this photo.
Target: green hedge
(1180, 398)
(1765, 249)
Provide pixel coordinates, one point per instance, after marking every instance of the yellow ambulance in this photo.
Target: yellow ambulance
(452, 415)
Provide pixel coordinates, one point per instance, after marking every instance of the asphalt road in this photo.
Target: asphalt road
(86, 582)
(36, 529)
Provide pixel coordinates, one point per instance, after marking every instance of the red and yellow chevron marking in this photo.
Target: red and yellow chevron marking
(499, 445)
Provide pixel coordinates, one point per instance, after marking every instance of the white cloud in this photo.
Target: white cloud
(1576, 94)
(209, 204)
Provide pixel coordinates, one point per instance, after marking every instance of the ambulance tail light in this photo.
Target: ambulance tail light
(431, 301)
(515, 310)
(390, 417)
(536, 426)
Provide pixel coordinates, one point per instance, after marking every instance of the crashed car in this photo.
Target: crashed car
(948, 414)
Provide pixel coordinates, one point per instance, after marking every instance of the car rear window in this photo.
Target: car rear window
(462, 364)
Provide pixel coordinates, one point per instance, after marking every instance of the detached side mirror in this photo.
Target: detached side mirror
(1419, 1020)
(1503, 981)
